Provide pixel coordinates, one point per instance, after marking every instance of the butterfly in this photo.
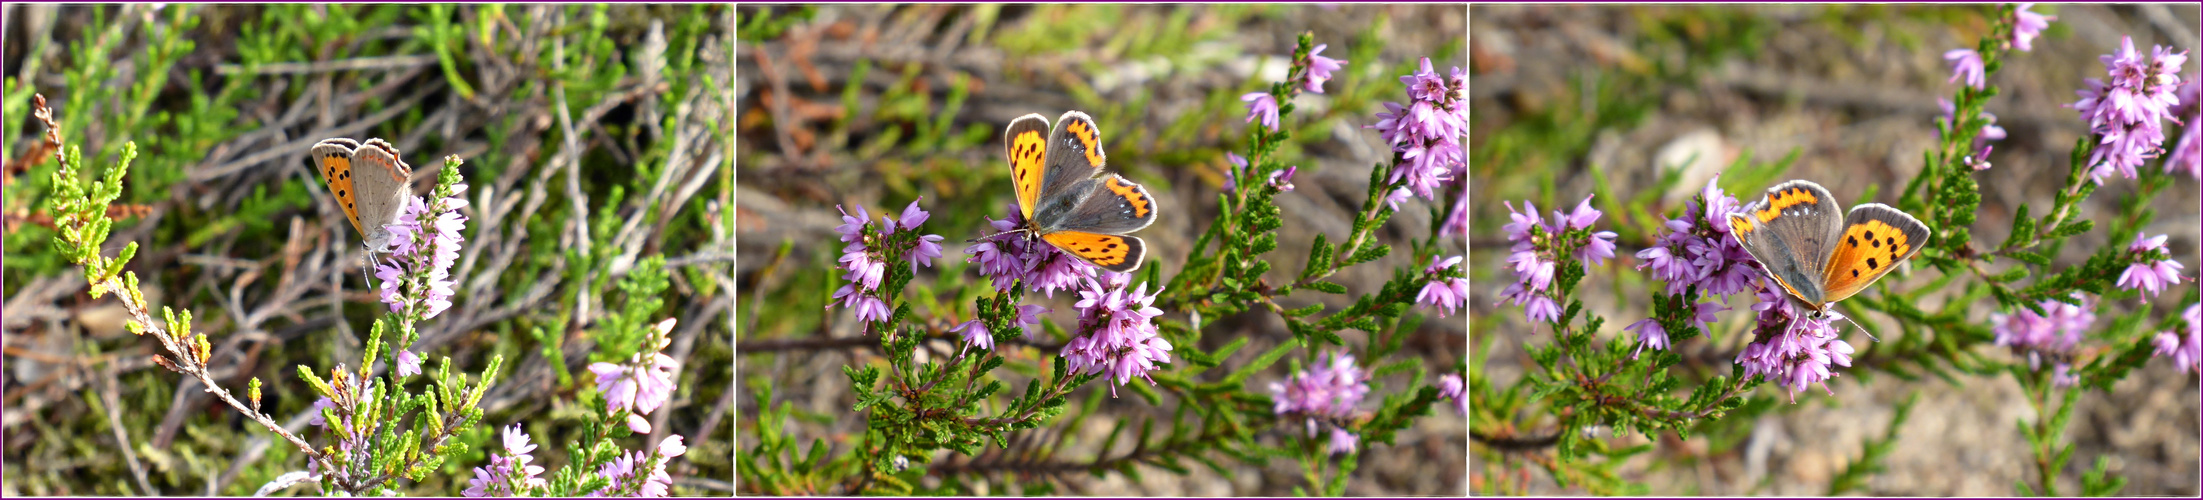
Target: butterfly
(373, 192)
(1064, 201)
(1816, 256)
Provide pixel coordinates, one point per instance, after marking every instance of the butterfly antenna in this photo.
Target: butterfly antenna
(1862, 329)
(992, 236)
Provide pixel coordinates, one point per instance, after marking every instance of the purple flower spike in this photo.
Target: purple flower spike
(2028, 25)
(2149, 276)
(1119, 340)
(2185, 343)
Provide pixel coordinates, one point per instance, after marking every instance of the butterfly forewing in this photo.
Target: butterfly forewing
(1875, 239)
(1791, 231)
(1074, 154)
(1026, 145)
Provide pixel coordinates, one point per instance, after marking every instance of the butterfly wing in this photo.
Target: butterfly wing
(1113, 206)
(334, 158)
(1026, 146)
(1113, 252)
(1790, 231)
(382, 181)
(1875, 239)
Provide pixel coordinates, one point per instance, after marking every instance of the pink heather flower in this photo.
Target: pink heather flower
(1600, 246)
(852, 227)
(1342, 442)
(1445, 293)
(1319, 69)
(1649, 334)
(1263, 106)
(1452, 389)
(2028, 25)
(1989, 132)
(1793, 350)
(409, 364)
(1118, 337)
(2185, 343)
(2052, 335)
(1283, 179)
(1011, 259)
(1331, 388)
(509, 474)
(1966, 65)
(1697, 250)
(2149, 273)
(320, 419)
(975, 334)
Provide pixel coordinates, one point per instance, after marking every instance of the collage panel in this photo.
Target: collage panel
(1927, 250)
(1101, 249)
(431, 249)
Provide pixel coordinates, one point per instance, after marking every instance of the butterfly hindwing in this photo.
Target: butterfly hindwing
(1026, 143)
(382, 181)
(1114, 205)
(1109, 251)
(1790, 231)
(1875, 239)
(333, 157)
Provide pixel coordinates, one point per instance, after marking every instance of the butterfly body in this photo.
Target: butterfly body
(369, 182)
(1818, 253)
(1063, 197)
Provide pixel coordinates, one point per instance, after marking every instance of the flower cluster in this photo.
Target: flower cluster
(509, 474)
(1011, 260)
(424, 245)
(975, 331)
(1447, 290)
(1427, 133)
(865, 257)
(642, 384)
(1118, 340)
(1327, 392)
(1539, 244)
(2153, 267)
(1310, 71)
(2184, 344)
(2051, 335)
(1791, 349)
(641, 474)
(1319, 69)
(2127, 111)
(1697, 250)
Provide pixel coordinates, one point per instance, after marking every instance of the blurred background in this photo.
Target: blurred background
(593, 141)
(876, 106)
(1575, 100)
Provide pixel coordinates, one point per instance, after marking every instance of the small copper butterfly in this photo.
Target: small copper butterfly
(371, 194)
(1817, 257)
(1063, 200)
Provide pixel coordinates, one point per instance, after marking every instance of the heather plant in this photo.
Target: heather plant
(537, 328)
(2072, 327)
(974, 386)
